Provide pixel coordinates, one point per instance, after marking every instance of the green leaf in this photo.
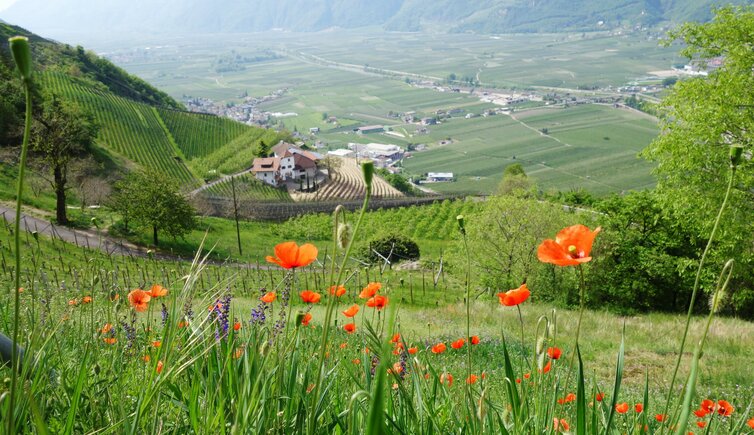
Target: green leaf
(618, 378)
(580, 398)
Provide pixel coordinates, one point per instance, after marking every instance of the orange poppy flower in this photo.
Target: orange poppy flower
(237, 326)
(396, 338)
(527, 375)
(560, 425)
(458, 343)
(107, 327)
(446, 378)
(702, 424)
(310, 297)
(370, 290)
(378, 302)
(73, 302)
(439, 348)
(571, 246)
(158, 291)
(306, 319)
(413, 350)
(639, 408)
(707, 405)
(343, 345)
(159, 367)
(751, 423)
(725, 409)
(182, 324)
(268, 298)
(139, 299)
(350, 312)
(471, 379)
(553, 352)
(511, 298)
(110, 340)
(397, 369)
(621, 408)
(661, 417)
(86, 300)
(474, 339)
(356, 361)
(337, 291)
(349, 328)
(599, 397)
(289, 255)
(157, 343)
(146, 358)
(546, 368)
(701, 413)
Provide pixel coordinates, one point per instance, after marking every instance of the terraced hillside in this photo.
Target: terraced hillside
(198, 134)
(348, 183)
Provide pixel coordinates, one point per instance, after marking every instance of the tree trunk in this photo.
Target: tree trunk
(60, 211)
(154, 234)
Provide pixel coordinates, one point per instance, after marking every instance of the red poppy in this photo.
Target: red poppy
(708, 406)
(546, 368)
(701, 413)
(337, 291)
(110, 340)
(86, 300)
(158, 291)
(527, 375)
(701, 423)
(306, 319)
(514, 297)
(396, 338)
(571, 246)
(553, 352)
(446, 378)
(638, 408)
(73, 302)
(139, 299)
(751, 423)
(471, 379)
(621, 408)
(349, 328)
(310, 297)
(725, 409)
(661, 417)
(458, 343)
(439, 348)
(474, 339)
(350, 312)
(370, 290)
(560, 425)
(182, 324)
(237, 326)
(107, 327)
(413, 350)
(159, 367)
(268, 298)
(378, 302)
(289, 255)
(599, 396)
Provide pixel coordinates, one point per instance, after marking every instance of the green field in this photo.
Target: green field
(248, 188)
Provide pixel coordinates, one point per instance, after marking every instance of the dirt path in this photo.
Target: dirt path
(218, 181)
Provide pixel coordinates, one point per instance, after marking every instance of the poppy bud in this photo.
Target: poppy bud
(461, 224)
(264, 349)
(367, 169)
(344, 234)
(299, 318)
(19, 46)
(735, 155)
(540, 345)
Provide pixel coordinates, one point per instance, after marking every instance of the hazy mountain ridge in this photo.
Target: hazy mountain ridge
(481, 16)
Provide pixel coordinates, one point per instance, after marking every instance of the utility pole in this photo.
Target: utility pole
(235, 213)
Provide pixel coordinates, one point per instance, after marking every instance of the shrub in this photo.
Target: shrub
(395, 247)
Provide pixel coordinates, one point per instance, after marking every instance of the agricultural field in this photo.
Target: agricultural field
(347, 183)
(248, 188)
(352, 77)
(198, 135)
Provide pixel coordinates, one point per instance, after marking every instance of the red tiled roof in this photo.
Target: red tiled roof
(265, 164)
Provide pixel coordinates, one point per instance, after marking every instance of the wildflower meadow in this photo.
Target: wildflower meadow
(97, 344)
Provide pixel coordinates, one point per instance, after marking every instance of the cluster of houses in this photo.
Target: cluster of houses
(288, 163)
(383, 155)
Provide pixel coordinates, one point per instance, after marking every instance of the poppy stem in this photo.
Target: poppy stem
(15, 360)
(582, 285)
(695, 290)
(468, 312)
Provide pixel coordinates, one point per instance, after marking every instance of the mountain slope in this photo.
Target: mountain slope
(228, 16)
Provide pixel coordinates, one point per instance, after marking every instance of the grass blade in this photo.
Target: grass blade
(580, 398)
(618, 379)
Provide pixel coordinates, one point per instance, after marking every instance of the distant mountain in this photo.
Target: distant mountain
(228, 16)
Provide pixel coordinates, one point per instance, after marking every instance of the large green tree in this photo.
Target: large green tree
(63, 132)
(152, 200)
(700, 118)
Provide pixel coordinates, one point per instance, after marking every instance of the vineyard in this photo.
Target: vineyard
(237, 154)
(347, 183)
(198, 134)
(129, 128)
(248, 188)
(436, 221)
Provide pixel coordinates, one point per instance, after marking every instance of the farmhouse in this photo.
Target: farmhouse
(370, 129)
(289, 163)
(435, 177)
(429, 121)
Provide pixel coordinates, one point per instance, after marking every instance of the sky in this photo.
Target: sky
(4, 4)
